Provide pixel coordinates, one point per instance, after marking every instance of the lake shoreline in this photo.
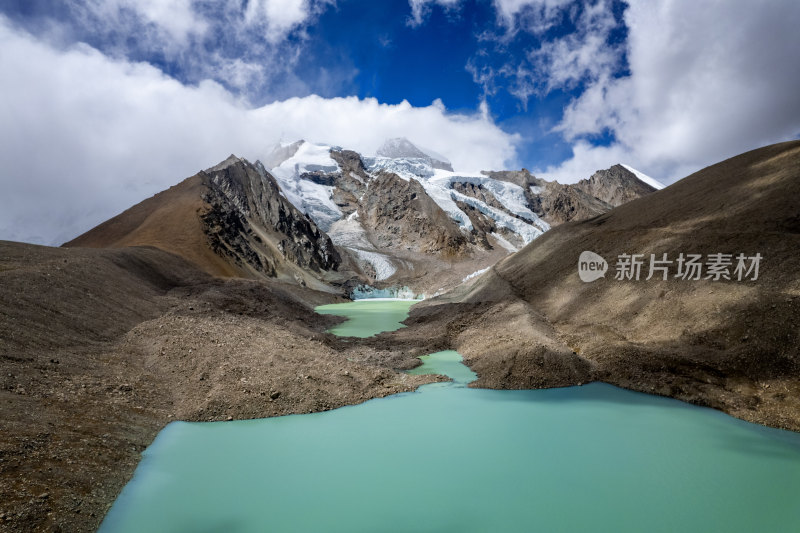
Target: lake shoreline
(76, 427)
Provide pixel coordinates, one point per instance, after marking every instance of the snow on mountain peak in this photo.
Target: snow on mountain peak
(644, 177)
(402, 148)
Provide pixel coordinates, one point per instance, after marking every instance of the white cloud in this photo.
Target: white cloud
(583, 54)
(708, 80)
(536, 16)
(580, 56)
(176, 16)
(83, 137)
(472, 142)
(530, 15)
(421, 8)
(178, 20)
(251, 47)
(279, 17)
(175, 20)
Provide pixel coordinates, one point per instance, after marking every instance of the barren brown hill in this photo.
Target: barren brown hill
(729, 344)
(231, 221)
(101, 348)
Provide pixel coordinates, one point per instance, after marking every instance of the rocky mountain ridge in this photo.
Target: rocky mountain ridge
(402, 208)
(334, 219)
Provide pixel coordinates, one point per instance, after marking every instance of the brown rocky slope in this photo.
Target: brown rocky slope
(100, 348)
(728, 344)
(232, 221)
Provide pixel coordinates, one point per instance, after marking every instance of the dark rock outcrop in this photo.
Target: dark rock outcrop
(615, 186)
(400, 214)
(559, 203)
(247, 211)
(351, 183)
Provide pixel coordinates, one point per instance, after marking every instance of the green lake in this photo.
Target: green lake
(449, 458)
(366, 318)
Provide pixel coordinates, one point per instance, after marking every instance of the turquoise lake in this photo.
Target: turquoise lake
(366, 318)
(448, 458)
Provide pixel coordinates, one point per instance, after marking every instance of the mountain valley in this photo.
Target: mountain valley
(197, 304)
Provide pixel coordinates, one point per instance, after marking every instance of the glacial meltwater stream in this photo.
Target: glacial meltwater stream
(454, 459)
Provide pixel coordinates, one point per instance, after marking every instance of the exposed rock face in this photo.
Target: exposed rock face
(479, 192)
(562, 203)
(247, 212)
(351, 182)
(615, 186)
(400, 214)
(523, 177)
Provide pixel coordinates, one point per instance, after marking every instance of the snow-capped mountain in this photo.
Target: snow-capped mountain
(397, 210)
(402, 202)
(509, 212)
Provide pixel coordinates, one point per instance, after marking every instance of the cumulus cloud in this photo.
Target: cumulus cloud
(84, 136)
(707, 82)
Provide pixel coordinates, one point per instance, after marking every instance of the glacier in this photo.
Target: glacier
(310, 197)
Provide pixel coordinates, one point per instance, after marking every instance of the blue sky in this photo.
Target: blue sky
(131, 95)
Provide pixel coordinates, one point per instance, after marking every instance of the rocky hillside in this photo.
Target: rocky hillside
(231, 220)
(721, 333)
